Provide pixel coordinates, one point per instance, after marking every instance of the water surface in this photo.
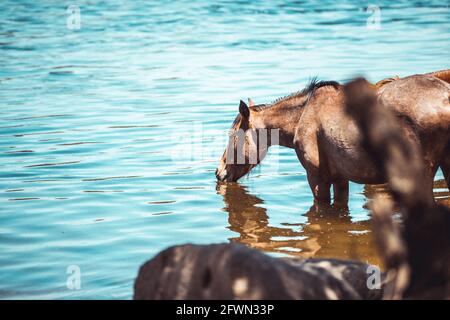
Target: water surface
(110, 134)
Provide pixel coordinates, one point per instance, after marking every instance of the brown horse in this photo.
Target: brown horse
(327, 141)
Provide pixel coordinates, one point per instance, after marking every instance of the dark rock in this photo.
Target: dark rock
(231, 271)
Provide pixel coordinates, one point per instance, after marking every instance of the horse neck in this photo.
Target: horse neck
(283, 116)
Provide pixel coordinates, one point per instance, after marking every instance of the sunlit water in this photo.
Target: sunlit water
(110, 134)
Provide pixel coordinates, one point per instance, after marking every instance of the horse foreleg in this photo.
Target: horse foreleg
(428, 182)
(340, 190)
(320, 189)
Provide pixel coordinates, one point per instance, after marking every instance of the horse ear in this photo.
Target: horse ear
(250, 102)
(243, 109)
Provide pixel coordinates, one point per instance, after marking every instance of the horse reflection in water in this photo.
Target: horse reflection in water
(328, 232)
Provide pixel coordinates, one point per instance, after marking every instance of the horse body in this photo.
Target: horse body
(328, 142)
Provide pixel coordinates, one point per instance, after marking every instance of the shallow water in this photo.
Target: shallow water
(110, 134)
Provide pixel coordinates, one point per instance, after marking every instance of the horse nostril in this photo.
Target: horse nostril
(222, 175)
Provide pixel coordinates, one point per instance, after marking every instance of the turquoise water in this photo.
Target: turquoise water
(110, 133)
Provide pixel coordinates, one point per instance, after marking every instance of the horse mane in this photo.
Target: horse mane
(308, 91)
(382, 82)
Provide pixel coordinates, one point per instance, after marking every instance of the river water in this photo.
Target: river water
(114, 114)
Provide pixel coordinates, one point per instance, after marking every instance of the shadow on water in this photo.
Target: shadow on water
(327, 232)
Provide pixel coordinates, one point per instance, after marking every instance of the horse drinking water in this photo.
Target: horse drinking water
(327, 141)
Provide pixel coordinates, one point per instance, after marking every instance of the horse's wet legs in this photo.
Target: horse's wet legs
(340, 190)
(320, 189)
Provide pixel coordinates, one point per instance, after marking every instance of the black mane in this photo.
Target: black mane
(308, 91)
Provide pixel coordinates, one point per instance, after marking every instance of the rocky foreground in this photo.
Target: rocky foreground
(231, 271)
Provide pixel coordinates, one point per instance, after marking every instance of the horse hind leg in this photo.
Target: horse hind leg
(340, 190)
(446, 171)
(445, 166)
